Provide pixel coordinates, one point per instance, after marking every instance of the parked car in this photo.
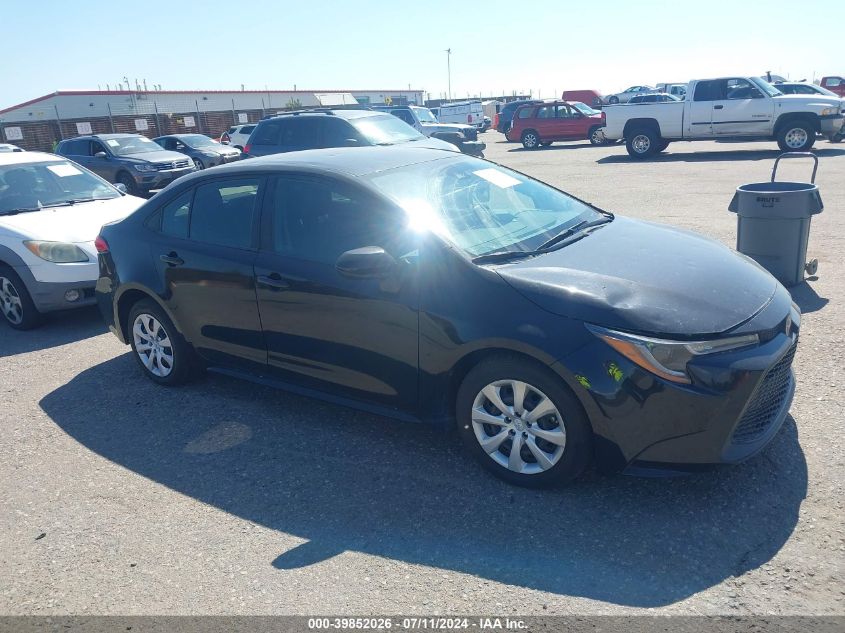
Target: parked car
(544, 123)
(676, 89)
(464, 137)
(626, 95)
(8, 147)
(727, 108)
(202, 150)
(834, 84)
(592, 98)
(657, 97)
(803, 88)
(505, 116)
(324, 127)
(237, 135)
(468, 112)
(50, 213)
(486, 124)
(132, 160)
(372, 284)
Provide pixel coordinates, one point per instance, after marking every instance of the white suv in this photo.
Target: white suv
(51, 211)
(237, 135)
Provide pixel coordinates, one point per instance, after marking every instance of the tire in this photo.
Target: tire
(596, 136)
(613, 100)
(16, 305)
(173, 368)
(661, 146)
(836, 138)
(530, 139)
(797, 136)
(642, 142)
(565, 423)
(199, 164)
(129, 182)
(239, 147)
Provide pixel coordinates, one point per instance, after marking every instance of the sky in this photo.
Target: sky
(497, 47)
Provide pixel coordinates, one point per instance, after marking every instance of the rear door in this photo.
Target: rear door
(699, 113)
(353, 337)
(743, 111)
(204, 250)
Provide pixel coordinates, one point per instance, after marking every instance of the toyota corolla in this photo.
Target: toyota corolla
(430, 286)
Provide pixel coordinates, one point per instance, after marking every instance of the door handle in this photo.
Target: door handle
(172, 259)
(718, 107)
(273, 280)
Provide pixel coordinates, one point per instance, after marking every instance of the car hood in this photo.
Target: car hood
(446, 127)
(163, 156)
(821, 100)
(648, 278)
(76, 224)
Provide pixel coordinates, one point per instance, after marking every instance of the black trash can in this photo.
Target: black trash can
(773, 223)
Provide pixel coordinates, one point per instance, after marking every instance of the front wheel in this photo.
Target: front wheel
(613, 100)
(642, 143)
(16, 305)
(523, 423)
(199, 164)
(164, 356)
(836, 138)
(129, 182)
(530, 139)
(796, 137)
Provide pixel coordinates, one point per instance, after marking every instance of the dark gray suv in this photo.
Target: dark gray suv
(325, 127)
(132, 160)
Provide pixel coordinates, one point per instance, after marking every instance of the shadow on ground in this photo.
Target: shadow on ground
(346, 480)
(59, 328)
(807, 298)
(703, 157)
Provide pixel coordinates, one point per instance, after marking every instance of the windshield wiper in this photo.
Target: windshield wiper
(21, 210)
(501, 256)
(572, 230)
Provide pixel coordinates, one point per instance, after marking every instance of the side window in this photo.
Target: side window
(339, 133)
(318, 220)
(300, 132)
(563, 112)
(740, 89)
(97, 147)
(546, 112)
(406, 116)
(708, 90)
(833, 82)
(524, 113)
(175, 216)
(223, 212)
(270, 133)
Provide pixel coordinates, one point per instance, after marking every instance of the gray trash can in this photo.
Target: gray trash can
(773, 223)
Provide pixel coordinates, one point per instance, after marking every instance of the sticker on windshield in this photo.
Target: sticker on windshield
(498, 178)
(64, 170)
(113, 142)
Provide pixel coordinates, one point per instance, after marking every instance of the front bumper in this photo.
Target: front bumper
(159, 179)
(831, 124)
(737, 402)
(50, 296)
(473, 148)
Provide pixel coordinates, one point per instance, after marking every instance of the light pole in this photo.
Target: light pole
(449, 70)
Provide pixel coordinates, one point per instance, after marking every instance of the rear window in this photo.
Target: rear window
(269, 133)
(247, 129)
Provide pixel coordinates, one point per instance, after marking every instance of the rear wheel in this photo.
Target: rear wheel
(16, 305)
(163, 354)
(796, 137)
(530, 139)
(596, 135)
(642, 142)
(836, 138)
(613, 100)
(522, 423)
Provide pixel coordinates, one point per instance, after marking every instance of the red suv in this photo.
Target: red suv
(543, 123)
(834, 84)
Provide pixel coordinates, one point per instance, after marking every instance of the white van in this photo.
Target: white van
(467, 112)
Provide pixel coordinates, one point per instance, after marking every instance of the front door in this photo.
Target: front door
(204, 252)
(699, 116)
(354, 337)
(744, 110)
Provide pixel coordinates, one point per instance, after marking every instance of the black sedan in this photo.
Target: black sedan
(204, 151)
(427, 285)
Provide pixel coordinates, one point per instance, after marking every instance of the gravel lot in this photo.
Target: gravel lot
(121, 497)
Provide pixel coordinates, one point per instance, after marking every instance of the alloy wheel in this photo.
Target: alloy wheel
(796, 138)
(598, 137)
(641, 143)
(10, 302)
(518, 426)
(530, 140)
(153, 346)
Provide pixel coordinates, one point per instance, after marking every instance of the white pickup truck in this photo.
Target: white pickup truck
(730, 107)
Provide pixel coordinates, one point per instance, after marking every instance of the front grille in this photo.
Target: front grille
(764, 406)
(176, 164)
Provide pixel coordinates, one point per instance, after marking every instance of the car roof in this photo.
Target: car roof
(104, 137)
(349, 161)
(343, 114)
(21, 158)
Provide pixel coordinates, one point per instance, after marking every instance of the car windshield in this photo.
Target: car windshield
(197, 141)
(480, 207)
(385, 129)
(425, 115)
(124, 145)
(583, 108)
(31, 186)
(766, 87)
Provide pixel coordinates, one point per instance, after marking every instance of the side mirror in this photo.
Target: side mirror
(101, 155)
(351, 142)
(756, 94)
(121, 188)
(370, 262)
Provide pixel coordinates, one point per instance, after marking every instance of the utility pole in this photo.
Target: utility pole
(449, 70)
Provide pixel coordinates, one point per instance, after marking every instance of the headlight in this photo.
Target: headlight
(795, 317)
(667, 359)
(57, 252)
(145, 167)
(829, 111)
(209, 154)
